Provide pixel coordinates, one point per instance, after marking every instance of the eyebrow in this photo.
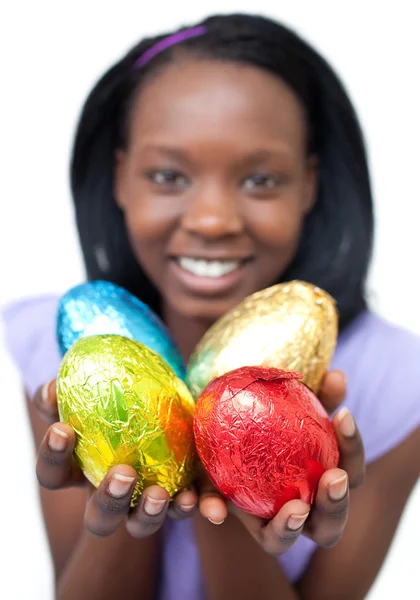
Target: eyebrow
(177, 153)
(266, 154)
(278, 151)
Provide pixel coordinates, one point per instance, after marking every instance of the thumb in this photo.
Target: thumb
(45, 402)
(333, 390)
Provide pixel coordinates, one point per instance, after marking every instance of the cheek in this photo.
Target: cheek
(148, 221)
(278, 225)
(148, 232)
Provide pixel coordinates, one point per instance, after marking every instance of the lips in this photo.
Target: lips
(208, 268)
(208, 276)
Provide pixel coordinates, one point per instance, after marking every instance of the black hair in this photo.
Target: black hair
(336, 243)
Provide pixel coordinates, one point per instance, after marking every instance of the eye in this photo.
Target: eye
(167, 177)
(261, 181)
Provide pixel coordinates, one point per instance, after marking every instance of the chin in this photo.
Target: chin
(205, 310)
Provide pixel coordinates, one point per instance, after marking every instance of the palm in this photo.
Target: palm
(275, 536)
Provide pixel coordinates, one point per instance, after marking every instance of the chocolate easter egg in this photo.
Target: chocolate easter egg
(101, 307)
(127, 406)
(263, 438)
(291, 326)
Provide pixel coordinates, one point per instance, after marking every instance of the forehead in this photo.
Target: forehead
(202, 98)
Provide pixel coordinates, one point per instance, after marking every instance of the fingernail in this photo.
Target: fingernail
(337, 489)
(120, 485)
(57, 440)
(295, 522)
(152, 506)
(186, 507)
(346, 421)
(44, 393)
(216, 522)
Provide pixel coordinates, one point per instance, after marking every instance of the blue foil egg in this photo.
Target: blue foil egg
(101, 307)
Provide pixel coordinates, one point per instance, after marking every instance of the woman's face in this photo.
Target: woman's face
(214, 183)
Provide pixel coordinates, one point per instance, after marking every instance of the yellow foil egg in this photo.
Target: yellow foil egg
(291, 326)
(127, 406)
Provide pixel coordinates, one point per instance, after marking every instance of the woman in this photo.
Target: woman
(207, 165)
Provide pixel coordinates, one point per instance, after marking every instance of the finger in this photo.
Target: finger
(150, 513)
(213, 507)
(333, 390)
(352, 454)
(281, 533)
(45, 401)
(110, 503)
(211, 503)
(329, 513)
(56, 467)
(183, 505)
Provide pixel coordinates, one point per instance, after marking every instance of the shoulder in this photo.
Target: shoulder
(378, 335)
(380, 360)
(30, 336)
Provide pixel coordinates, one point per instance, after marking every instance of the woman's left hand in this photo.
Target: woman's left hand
(324, 523)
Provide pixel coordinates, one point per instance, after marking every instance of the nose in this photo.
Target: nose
(213, 213)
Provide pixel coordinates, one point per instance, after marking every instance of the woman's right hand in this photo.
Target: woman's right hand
(108, 505)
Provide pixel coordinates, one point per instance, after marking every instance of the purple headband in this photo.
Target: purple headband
(171, 40)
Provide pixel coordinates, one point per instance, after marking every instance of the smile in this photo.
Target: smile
(208, 268)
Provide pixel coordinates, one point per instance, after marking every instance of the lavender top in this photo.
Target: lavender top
(380, 361)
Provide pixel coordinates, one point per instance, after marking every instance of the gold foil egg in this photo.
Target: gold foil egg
(291, 326)
(127, 406)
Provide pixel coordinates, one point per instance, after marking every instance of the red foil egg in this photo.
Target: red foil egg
(264, 438)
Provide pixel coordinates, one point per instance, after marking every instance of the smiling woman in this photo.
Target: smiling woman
(209, 164)
(245, 131)
(214, 182)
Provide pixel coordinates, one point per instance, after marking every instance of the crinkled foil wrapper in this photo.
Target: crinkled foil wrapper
(127, 406)
(101, 307)
(291, 326)
(264, 439)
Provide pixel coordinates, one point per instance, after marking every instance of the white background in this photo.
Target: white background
(51, 53)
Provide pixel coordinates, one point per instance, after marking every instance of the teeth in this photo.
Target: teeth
(208, 268)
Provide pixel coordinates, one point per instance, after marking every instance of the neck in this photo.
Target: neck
(186, 332)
